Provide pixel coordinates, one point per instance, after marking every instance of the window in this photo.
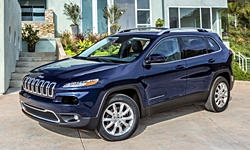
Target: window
(174, 19)
(193, 46)
(206, 22)
(212, 45)
(33, 10)
(116, 49)
(143, 13)
(190, 17)
(169, 49)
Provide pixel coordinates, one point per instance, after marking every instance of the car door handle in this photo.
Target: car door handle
(211, 60)
(180, 67)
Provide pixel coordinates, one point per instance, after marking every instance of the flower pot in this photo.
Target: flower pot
(31, 48)
(75, 30)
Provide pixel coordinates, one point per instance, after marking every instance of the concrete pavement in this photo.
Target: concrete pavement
(189, 128)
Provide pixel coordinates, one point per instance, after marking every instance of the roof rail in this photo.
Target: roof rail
(142, 28)
(182, 30)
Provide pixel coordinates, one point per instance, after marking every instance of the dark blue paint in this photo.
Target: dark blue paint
(155, 83)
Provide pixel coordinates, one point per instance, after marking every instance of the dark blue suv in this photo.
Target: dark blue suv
(126, 76)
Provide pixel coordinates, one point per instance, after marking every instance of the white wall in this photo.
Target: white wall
(60, 20)
(1, 47)
(10, 40)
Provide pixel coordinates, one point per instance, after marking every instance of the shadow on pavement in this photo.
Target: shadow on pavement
(144, 123)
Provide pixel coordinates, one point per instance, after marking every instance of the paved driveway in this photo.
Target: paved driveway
(189, 128)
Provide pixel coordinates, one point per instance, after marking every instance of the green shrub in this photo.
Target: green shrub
(159, 22)
(239, 74)
(84, 44)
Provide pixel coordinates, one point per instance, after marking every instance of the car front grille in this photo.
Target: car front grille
(39, 87)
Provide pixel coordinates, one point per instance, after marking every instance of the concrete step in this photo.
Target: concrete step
(18, 76)
(37, 59)
(31, 64)
(37, 54)
(24, 69)
(15, 83)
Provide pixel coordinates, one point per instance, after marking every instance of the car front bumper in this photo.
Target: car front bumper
(57, 114)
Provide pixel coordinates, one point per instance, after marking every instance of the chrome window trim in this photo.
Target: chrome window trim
(176, 36)
(41, 110)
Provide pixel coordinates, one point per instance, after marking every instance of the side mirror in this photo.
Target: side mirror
(155, 58)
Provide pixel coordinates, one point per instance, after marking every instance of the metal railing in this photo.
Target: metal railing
(244, 62)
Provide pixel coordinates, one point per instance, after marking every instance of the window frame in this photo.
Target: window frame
(181, 49)
(136, 14)
(200, 12)
(157, 43)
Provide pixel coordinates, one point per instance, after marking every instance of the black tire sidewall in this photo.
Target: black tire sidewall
(216, 83)
(129, 101)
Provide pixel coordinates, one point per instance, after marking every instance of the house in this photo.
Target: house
(139, 13)
(10, 40)
(47, 16)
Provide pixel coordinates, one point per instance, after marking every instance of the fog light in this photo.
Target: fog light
(76, 117)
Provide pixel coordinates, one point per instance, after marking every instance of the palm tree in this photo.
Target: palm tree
(113, 14)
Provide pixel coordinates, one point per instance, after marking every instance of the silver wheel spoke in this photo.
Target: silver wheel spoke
(109, 125)
(118, 119)
(221, 94)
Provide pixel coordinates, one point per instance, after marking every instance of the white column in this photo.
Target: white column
(109, 4)
(95, 16)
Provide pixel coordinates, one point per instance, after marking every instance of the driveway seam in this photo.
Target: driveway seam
(81, 139)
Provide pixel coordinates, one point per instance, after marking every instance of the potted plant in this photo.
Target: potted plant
(113, 14)
(74, 14)
(31, 37)
(159, 23)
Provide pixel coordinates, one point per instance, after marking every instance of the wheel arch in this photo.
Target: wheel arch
(129, 90)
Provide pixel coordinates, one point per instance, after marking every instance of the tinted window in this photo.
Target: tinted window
(212, 45)
(169, 49)
(193, 46)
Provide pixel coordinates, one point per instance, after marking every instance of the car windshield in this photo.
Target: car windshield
(116, 49)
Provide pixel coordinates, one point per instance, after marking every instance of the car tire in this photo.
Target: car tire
(219, 95)
(119, 118)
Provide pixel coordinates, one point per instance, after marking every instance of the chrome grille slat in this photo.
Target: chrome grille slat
(39, 87)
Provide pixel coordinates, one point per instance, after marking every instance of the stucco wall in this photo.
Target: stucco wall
(60, 20)
(10, 39)
(1, 47)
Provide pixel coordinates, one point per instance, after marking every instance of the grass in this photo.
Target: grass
(239, 74)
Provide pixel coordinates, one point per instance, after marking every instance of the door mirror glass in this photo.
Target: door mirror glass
(155, 58)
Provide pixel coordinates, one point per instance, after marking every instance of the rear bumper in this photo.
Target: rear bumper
(64, 118)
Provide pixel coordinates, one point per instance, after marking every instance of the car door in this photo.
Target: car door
(164, 74)
(199, 65)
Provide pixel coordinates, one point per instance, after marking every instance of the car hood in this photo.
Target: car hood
(72, 68)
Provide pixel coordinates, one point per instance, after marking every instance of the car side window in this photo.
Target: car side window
(193, 46)
(169, 49)
(212, 46)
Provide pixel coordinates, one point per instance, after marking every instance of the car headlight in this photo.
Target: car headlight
(81, 83)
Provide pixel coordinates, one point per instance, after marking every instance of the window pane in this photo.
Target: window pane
(193, 46)
(206, 18)
(174, 18)
(168, 48)
(212, 45)
(190, 17)
(143, 4)
(128, 19)
(143, 17)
